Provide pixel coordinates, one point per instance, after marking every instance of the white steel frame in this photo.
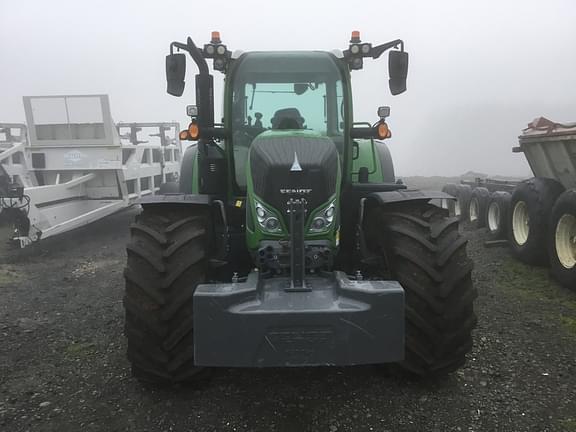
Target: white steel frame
(72, 181)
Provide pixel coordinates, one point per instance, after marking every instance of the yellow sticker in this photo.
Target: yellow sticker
(238, 203)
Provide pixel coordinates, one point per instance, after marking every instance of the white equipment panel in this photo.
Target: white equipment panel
(76, 166)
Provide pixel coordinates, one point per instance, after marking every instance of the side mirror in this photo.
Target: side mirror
(175, 73)
(398, 71)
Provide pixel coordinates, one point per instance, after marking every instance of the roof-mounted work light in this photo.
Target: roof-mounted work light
(355, 51)
(217, 50)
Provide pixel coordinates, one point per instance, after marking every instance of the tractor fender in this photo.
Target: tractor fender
(187, 169)
(386, 163)
(403, 195)
(178, 198)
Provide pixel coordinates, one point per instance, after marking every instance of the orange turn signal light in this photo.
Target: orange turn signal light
(193, 131)
(183, 135)
(383, 131)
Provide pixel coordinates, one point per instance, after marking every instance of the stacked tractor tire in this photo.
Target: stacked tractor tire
(537, 218)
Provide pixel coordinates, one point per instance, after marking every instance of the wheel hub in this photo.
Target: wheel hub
(565, 241)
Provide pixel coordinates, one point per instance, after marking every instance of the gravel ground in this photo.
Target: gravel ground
(62, 363)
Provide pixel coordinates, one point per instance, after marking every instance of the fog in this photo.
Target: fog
(479, 70)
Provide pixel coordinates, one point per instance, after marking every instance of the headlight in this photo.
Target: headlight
(318, 224)
(266, 219)
(272, 224)
(323, 219)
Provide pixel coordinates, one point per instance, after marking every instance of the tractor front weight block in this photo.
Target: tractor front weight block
(262, 323)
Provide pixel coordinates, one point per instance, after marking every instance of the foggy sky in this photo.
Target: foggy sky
(479, 70)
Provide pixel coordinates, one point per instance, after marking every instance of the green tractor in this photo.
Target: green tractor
(288, 240)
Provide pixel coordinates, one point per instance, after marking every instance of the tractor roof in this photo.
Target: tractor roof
(287, 62)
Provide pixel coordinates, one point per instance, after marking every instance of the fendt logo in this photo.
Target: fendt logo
(296, 191)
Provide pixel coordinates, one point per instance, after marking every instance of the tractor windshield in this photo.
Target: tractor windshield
(285, 91)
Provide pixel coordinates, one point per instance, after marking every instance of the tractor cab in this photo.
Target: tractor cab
(283, 93)
(294, 90)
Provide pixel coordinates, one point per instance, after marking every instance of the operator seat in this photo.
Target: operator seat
(287, 118)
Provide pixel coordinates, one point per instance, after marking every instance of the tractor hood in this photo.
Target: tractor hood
(293, 163)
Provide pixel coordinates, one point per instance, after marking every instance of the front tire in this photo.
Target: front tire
(166, 262)
(424, 251)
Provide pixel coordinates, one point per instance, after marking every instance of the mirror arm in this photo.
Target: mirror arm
(377, 51)
(178, 45)
(196, 54)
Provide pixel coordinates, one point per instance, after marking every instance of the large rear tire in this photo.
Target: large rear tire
(166, 262)
(529, 216)
(425, 252)
(562, 240)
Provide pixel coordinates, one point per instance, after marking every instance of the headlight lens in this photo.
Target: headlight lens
(318, 224)
(329, 213)
(272, 224)
(266, 219)
(324, 219)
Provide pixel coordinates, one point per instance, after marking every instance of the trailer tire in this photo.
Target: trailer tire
(562, 240)
(497, 214)
(463, 195)
(478, 207)
(425, 252)
(528, 219)
(451, 205)
(166, 261)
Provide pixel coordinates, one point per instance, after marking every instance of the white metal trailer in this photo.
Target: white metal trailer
(71, 165)
(538, 215)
